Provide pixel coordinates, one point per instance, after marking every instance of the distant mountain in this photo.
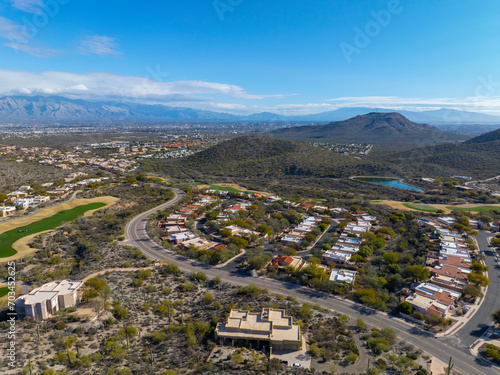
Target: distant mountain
(392, 130)
(262, 156)
(58, 108)
(490, 138)
(478, 157)
(52, 108)
(439, 116)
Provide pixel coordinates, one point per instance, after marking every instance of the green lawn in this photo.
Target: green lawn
(4, 291)
(226, 188)
(7, 239)
(474, 209)
(420, 207)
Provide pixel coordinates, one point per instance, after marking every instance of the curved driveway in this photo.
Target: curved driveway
(135, 233)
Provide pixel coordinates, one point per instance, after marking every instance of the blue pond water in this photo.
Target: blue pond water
(391, 183)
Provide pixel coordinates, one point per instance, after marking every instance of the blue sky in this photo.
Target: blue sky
(243, 56)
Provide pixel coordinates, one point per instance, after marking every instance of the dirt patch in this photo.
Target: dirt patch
(22, 246)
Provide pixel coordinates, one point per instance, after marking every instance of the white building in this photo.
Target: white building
(345, 276)
(24, 202)
(42, 302)
(7, 210)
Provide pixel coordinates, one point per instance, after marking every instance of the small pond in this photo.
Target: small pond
(388, 182)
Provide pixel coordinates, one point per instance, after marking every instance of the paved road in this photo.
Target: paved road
(135, 233)
(481, 320)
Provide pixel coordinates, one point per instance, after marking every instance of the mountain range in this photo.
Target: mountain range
(258, 161)
(477, 157)
(392, 130)
(49, 108)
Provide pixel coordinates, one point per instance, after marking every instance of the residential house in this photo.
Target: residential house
(7, 210)
(440, 294)
(199, 243)
(447, 220)
(270, 328)
(427, 305)
(344, 276)
(336, 257)
(24, 202)
(282, 261)
(41, 303)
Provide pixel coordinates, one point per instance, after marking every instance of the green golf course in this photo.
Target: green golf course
(4, 291)
(7, 239)
(420, 207)
(474, 209)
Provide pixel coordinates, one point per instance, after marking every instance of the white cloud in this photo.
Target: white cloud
(98, 45)
(28, 6)
(16, 38)
(208, 95)
(103, 86)
(34, 51)
(484, 104)
(11, 31)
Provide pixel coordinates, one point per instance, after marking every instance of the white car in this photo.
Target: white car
(296, 365)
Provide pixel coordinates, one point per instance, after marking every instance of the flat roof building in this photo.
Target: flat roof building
(271, 327)
(345, 276)
(41, 303)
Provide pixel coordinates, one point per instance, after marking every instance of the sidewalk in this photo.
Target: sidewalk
(491, 336)
(464, 319)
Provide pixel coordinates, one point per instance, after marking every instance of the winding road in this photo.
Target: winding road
(442, 348)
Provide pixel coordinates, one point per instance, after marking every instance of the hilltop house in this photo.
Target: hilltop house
(271, 328)
(41, 303)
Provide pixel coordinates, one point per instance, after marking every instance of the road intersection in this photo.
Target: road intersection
(455, 346)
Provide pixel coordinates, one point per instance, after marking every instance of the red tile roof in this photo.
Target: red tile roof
(282, 259)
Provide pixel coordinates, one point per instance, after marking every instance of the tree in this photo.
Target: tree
(391, 258)
(417, 273)
(314, 350)
(67, 343)
(495, 242)
(473, 291)
(496, 316)
(118, 311)
(479, 268)
(389, 335)
(361, 325)
(478, 279)
(274, 364)
(208, 299)
(351, 357)
(406, 308)
(92, 288)
(128, 332)
(237, 358)
(306, 311)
